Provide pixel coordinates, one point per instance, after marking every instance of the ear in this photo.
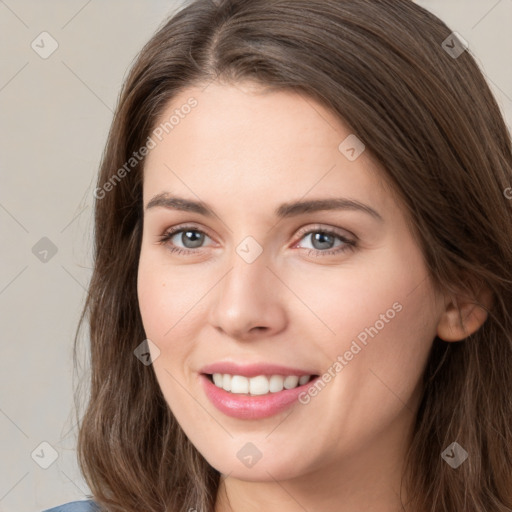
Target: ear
(464, 315)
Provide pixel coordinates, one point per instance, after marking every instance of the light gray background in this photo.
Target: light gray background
(56, 113)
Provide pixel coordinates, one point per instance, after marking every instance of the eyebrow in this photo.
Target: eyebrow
(285, 210)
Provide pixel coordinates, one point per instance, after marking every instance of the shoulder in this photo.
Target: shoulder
(76, 506)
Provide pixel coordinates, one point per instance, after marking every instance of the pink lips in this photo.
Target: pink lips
(252, 407)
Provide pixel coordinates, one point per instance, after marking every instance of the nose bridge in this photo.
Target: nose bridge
(247, 294)
(249, 275)
(248, 259)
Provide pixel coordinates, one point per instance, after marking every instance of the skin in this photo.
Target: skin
(244, 151)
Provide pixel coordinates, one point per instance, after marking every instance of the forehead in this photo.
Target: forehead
(256, 143)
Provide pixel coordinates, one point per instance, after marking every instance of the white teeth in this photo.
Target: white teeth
(291, 381)
(276, 383)
(260, 385)
(226, 382)
(239, 384)
(303, 380)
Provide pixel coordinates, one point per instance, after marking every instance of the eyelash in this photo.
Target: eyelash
(349, 245)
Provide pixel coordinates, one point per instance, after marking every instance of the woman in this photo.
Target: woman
(302, 288)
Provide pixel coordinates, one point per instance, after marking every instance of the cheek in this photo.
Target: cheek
(161, 296)
(381, 323)
(152, 290)
(378, 313)
(166, 304)
(171, 299)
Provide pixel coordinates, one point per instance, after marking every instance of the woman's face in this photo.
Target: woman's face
(340, 292)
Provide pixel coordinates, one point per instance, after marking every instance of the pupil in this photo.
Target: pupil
(197, 239)
(321, 237)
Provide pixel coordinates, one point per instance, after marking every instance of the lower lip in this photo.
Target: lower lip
(255, 406)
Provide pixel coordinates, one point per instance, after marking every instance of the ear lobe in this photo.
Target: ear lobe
(463, 316)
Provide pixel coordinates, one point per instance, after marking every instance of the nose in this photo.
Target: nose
(249, 300)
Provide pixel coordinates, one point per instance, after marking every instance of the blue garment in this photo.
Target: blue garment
(76, 506)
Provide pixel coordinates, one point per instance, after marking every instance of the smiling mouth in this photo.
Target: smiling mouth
(259, 385)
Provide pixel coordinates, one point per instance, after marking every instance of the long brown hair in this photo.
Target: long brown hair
(429, 118)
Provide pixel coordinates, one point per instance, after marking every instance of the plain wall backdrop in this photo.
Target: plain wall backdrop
(56, 109)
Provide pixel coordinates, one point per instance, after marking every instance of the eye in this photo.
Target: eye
(323, 242)
(191, 238)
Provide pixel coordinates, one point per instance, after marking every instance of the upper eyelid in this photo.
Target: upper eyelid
(319, 227)
(177, 229)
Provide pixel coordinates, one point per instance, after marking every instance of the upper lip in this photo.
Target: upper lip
(253, 370)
